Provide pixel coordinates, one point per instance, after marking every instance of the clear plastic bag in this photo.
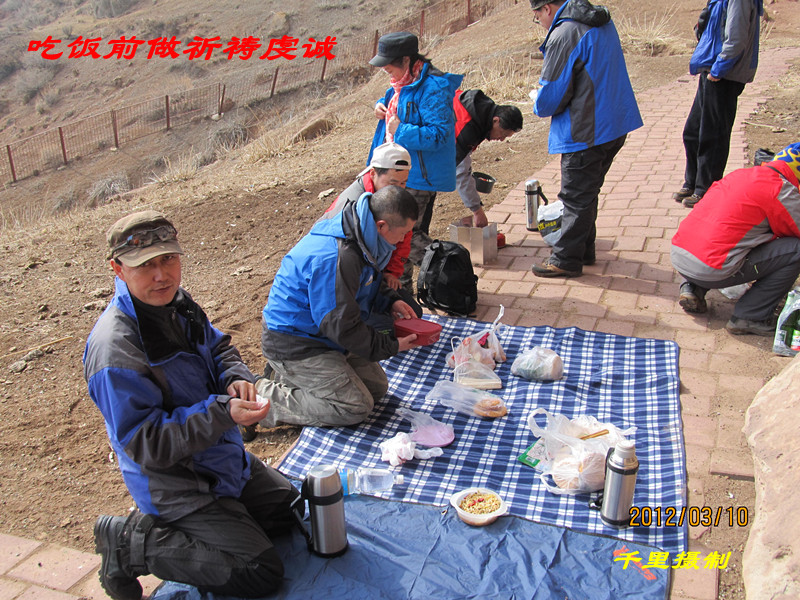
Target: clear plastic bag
(787, 325)
(466, 400)
(538, 364)
(476, 375)
(427, 431)
(573, 452)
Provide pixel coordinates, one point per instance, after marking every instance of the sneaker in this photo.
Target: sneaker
(248, 432)
(548, 269)
(682, 193)
(742, 326)
(114, 579)
(693, 298)
(690, 201)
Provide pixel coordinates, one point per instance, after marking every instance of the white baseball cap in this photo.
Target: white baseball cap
(391, 156)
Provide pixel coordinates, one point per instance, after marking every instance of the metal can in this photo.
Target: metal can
(621, 469)
(532, 192)
(796, 340)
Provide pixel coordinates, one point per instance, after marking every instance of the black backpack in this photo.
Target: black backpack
(446, 279)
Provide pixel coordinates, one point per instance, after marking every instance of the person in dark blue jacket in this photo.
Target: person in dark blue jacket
(725, 59)
(586, 91)
(172, 389)
(323, 352)
(417, 113)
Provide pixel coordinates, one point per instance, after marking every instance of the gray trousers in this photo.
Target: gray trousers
(419, 236)
(223, 548)
(327, 390)
(773, 267)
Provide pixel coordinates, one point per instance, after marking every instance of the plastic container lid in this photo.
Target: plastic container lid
(427, 331)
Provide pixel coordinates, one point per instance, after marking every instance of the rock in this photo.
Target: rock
(18, 367)
(33, 355)
(771, 562)
(326, 193)
(313, 129)
(96, 305)
(241, 271)
(100, 292)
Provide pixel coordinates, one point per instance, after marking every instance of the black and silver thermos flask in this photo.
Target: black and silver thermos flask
(621, 468)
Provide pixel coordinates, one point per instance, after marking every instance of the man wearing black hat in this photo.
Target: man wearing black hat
(172, 390)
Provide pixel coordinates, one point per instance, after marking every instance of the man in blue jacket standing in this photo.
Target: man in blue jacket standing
(725, 59)
(586, 91)
(172, 390)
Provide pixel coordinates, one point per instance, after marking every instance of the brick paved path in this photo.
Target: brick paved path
(632, 290)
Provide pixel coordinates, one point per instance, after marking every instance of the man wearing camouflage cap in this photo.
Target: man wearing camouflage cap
(172, 390)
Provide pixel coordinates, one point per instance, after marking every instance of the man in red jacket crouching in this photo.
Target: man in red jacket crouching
(745, 229)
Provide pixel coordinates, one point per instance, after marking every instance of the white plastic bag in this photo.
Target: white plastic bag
(483, 347)
(549, 221)
(573, 456)
(538, 364)
(476, 375)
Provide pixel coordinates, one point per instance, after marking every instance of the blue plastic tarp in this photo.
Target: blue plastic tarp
(404, 551)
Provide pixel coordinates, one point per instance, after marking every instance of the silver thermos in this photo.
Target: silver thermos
(621, 468)
(533, 191)
(322, 488)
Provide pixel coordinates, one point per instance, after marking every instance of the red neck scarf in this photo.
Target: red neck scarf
(410, 76)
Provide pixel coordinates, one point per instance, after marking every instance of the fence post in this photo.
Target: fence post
(114, 128)
(469, 12)
(274, 81)
(374, 46)
(221, 100)
(422, 23)
(166, 104)
(324, 66)
(11, 164)
(63, 146)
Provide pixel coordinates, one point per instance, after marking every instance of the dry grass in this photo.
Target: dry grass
(182, 169)
(651, 34)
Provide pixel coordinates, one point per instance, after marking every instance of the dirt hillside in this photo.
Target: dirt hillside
(237, 217)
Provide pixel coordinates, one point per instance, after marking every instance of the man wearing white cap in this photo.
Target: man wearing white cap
(172, 390)
(389, 165)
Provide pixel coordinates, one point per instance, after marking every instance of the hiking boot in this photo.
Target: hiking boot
(548, 269)
(108, 534)
(682, 193)
(690, 201)
(739, 326)
(248, 432)
(693, 298)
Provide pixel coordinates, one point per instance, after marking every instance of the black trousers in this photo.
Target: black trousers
(707, 132)
(223, 548)
(582, 176)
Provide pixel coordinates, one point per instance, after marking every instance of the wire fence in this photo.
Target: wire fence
(58, 146)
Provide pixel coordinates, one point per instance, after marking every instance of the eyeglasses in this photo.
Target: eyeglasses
(148, 237)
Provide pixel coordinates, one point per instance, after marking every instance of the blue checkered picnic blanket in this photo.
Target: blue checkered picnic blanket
(622, 380)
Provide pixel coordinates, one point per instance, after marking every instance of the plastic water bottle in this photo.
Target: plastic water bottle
(368, 480)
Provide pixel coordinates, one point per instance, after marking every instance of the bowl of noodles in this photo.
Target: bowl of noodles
(478, 506)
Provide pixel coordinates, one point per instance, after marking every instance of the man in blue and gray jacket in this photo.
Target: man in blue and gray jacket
(725, 59)
(586, 91)
(172, 390)
(322, 352)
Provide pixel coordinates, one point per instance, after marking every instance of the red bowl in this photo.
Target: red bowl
(427, 331)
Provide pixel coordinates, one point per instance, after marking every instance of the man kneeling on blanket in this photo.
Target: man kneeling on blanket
(172, 389)
(746, 228)
(322, 353)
